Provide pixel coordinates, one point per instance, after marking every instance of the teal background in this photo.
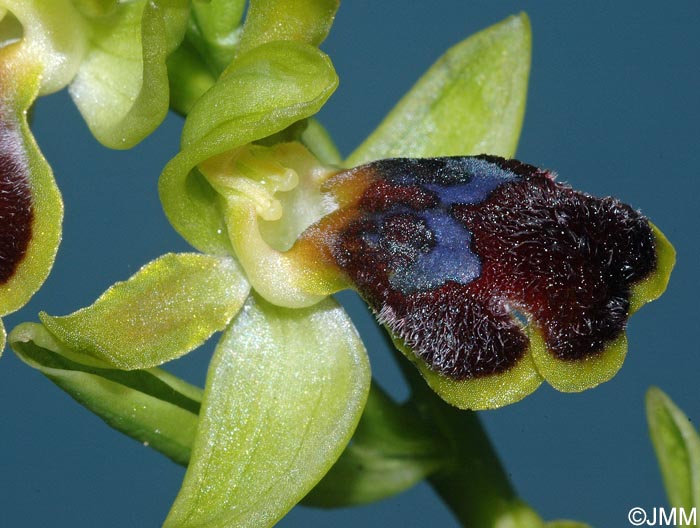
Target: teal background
(613, 108)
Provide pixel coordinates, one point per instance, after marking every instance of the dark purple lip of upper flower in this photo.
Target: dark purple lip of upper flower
(449, 251)
(16, 213)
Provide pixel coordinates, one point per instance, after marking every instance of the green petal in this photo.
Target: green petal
(53, 35)
(270, 88)
(31, 210)
(284, 393)
(472, 101)
(151, 406)
(391, 451)
(168, 308)
(304, 21)
(677, 446)
(121, 87)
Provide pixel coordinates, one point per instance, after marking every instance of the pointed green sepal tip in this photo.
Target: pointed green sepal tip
(284, 393)
(677, 446)
(168, 308)
(471, 101)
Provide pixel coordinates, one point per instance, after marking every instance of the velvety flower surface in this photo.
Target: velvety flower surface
(463, 259)
(489, 275)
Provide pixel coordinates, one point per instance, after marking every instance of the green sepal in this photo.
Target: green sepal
(472, 101)
(168, 308)
(270, 88)
(25, 178)
(121, 88)
(677, 446)
(306, 21)
(284, 393)
(152, 406)
(390, 452)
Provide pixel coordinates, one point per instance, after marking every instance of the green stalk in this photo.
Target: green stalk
(473, 485)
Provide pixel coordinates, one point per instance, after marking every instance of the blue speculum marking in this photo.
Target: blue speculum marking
(482, 177)
(449, 260)
(457, 181)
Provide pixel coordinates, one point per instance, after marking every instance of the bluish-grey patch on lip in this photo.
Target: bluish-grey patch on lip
(451, 259)
(454, 181)
(484, 177)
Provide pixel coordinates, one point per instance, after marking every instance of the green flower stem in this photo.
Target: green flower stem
(473, 485)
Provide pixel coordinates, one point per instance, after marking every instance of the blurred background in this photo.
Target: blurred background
(614, 108)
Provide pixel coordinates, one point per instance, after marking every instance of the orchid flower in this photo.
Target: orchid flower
(112, 56)
(474, 263)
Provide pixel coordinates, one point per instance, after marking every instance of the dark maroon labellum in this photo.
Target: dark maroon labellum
(451, 254)
(15, 202)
